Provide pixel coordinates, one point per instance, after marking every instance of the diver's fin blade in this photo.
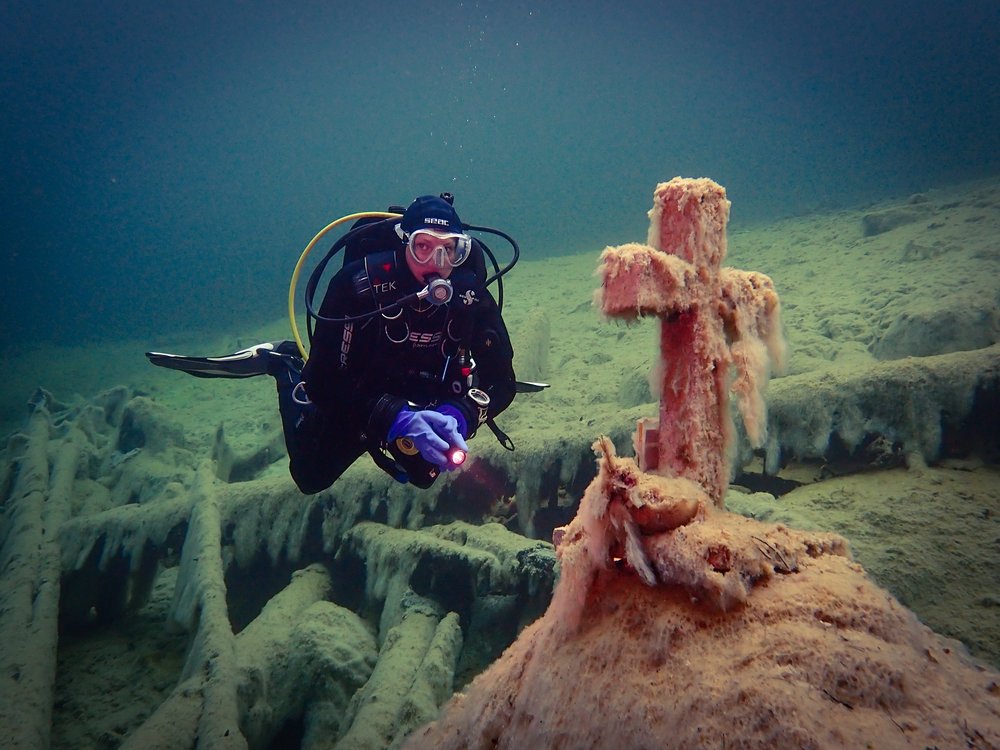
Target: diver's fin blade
(245, 363)
(527, 386)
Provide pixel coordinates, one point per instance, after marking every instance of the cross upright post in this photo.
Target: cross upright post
(710, 317)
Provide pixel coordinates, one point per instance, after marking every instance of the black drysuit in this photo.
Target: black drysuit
(361, 373)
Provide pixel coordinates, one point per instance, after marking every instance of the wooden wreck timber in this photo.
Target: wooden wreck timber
(77, 554)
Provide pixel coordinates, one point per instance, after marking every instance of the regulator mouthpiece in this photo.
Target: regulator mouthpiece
(438, 291)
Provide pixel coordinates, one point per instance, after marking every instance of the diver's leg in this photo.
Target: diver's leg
(318, 451)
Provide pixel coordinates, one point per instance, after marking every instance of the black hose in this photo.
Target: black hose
(314, 278)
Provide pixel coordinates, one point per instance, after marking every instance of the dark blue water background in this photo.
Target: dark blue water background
(165, 163)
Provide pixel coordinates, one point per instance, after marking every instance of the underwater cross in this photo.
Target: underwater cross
(710, 317)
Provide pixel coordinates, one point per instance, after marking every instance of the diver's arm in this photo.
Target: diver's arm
(494, 355)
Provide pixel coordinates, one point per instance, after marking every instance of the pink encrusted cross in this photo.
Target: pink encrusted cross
(710, 317)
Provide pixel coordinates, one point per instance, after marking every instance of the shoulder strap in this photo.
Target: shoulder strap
(377, 279)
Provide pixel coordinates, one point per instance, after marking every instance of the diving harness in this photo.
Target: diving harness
(404, 464)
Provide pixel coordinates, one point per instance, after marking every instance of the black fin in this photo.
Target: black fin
(246, 363)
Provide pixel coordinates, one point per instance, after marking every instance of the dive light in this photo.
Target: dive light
(408, 465)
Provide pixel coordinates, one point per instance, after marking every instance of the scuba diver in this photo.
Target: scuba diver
(409, 358)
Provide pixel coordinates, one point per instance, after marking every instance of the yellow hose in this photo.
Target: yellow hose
(302, 260)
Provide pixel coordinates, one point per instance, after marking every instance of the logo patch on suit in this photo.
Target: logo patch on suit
(422, 340)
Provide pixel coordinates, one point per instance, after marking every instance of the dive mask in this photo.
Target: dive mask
(443, 249)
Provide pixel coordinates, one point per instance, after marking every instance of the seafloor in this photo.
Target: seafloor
(161, 503)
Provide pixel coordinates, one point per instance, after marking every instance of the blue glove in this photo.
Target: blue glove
(432, 432)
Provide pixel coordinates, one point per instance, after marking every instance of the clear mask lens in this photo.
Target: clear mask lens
(442, 249)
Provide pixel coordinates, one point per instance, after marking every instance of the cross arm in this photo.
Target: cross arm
(637, 279)
(751, 318)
